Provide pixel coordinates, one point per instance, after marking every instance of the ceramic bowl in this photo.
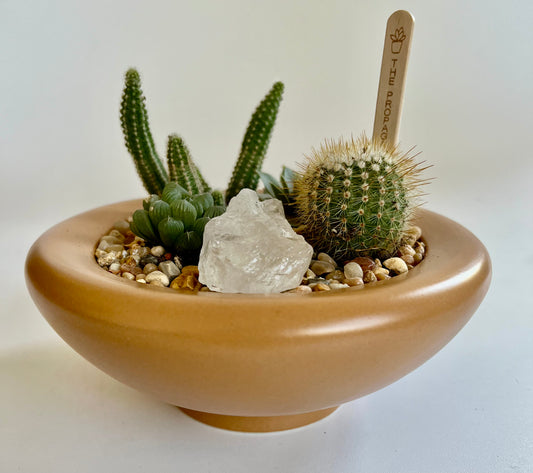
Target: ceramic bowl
(255, 362)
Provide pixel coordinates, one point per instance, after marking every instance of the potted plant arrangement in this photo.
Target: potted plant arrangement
(264, 311)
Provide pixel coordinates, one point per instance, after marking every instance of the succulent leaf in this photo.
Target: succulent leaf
(215, 211)
(189, 241)
(137, 135)
(142, 226)
(172, 192)
(169, 231)
(184, 211)
(202, 202)
(158, 211)
(255, 143)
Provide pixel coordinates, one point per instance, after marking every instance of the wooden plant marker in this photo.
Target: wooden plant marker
(396, 51)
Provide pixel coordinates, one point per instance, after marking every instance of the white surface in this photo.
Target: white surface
(205, 65)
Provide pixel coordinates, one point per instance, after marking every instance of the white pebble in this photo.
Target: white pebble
(353, 270)
(157, 278)
(114, 268)
(397, 265)
(158, 251)
(338, 286)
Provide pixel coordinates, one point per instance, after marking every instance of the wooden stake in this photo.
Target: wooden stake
(392, 78)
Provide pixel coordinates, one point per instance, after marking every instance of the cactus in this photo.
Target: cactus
(356, 198)
(182, 168)
(137, 135)
(255, 143)
(176, 220)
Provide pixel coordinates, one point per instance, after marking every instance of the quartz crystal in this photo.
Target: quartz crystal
(252, 248)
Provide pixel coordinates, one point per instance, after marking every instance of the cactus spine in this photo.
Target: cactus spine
(182, 168)
(255, 143)
(138, 138)
(356, 198)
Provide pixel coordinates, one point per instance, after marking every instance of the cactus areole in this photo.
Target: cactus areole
(355, 198)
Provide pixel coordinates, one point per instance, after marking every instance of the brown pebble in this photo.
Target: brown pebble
(381, 274)
(337, 274)
(418, 257)
(320, 287)
(369, 276)
(367, 264)
(188, 281)
(325, 257)
(190, 270)
(150, 267)
(322, 267)
(128, 267)
(140, 276)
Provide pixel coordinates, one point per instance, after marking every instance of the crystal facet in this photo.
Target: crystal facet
(252, 248)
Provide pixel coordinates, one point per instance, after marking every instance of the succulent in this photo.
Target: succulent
(282, 190)
(181, 167)
(356, 198)
(176, 219)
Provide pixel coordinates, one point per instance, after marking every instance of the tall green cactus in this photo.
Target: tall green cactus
(137, 135)
(255, 143)
(356, 198)
(182, 168)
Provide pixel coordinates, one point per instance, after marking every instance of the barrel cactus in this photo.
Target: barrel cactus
(356, 198)
(176, 220)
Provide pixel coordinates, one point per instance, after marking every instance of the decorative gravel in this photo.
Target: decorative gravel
(126, 255)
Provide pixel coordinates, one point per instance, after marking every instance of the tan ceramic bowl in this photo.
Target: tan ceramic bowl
(255, 362)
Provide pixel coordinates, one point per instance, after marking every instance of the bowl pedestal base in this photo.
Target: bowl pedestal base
(258, 424)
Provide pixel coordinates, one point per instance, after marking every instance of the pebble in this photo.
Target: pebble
(354, 282)
(158, 251)
(326, 258)
(301, 290)
(353, 270)
(122, 226)
(126, 255)
(322, 267)
(409, 259)
(395, 264)
(148, 259)
(412, 234)
(112, 240)
(338, 285)
(336, 275)
(157, 277)
(367, 264)
(320, 287)
(405, 250)
(149, 268)
(170, 269)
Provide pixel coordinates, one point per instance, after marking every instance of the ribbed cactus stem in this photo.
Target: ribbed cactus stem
(137, 135)
(255, 143)
(182, 168)
(356, 198)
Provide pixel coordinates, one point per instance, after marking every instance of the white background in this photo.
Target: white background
(205, 65)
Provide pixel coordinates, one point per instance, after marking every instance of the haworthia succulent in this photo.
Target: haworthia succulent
(182, 168)
(255, 143)
(137, 135)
